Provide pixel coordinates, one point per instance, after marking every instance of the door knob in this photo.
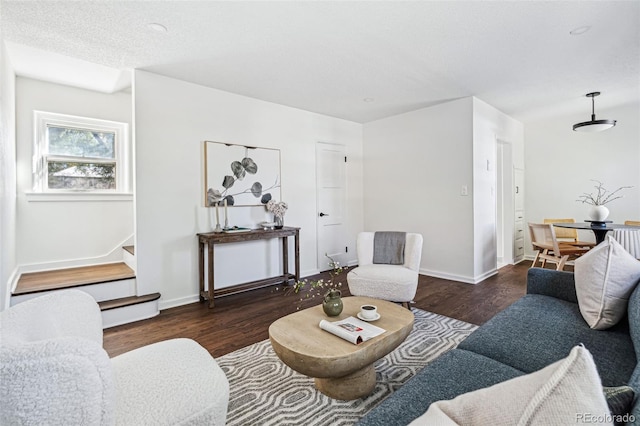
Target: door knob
(323, 214)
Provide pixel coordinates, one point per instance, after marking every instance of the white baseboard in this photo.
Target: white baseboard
(181, 301)
(486, 275)
(12, 283)
(193, 298)
(309, 273)
(459, 278)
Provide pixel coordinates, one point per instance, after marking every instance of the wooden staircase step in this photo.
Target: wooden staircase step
(35, 282)
(130, 249)
(127, 301)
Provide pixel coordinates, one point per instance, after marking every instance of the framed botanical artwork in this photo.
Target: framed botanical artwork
(241, 175)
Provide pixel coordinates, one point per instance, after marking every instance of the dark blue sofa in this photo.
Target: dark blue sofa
(537, 330)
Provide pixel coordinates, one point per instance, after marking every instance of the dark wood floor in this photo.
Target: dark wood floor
(240, 320)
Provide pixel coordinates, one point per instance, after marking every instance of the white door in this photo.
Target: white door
(331, 167)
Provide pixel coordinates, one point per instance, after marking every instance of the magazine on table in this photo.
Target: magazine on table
(352, 329)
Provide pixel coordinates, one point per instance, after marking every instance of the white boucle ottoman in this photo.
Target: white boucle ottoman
(167, 383)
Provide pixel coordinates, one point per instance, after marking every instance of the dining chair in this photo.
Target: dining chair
(548, 249)
(632, 222)
(568, 235)
(629, 239)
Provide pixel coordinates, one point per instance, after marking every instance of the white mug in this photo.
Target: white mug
(368, 311)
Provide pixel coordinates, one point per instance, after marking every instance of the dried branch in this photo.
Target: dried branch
(602, 196)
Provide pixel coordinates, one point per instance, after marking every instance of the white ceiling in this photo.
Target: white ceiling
(327, 57)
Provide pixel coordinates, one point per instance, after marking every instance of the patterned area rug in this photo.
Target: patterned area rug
(264, 391)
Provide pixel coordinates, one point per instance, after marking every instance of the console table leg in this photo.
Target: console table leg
(211, 283)
(201, 270)
(296, 243)
(285, 259)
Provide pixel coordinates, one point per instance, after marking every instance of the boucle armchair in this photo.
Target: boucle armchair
(53, 370)
(395, 283)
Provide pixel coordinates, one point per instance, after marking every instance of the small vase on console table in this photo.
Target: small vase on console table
(279, 220)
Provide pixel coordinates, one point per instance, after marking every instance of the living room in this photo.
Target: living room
(30, 241)
(405, 168)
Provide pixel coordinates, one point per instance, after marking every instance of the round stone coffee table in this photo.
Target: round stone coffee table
(341, 369)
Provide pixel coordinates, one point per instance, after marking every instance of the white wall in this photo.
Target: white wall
(489, 125)
(7, 177)
(560, 164)
(414, 167)
(173, 118)
(65, 231)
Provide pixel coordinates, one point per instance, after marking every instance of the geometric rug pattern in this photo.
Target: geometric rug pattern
(264, 391)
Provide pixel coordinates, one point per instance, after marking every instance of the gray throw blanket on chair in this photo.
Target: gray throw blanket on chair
(388, 247)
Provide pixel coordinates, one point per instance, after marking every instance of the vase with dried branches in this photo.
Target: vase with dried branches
(599, 212)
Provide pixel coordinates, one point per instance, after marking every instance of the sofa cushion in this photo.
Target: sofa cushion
(539, 330)
(558, 394)
(548, 282)
(633, 313)
(619, 399)
(450, 375)
(605, 277)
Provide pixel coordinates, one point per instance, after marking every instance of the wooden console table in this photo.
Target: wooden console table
(211, 239)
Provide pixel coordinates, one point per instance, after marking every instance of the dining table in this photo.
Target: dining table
(599, 229)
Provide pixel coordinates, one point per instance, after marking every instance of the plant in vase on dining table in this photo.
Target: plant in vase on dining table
(599, 198)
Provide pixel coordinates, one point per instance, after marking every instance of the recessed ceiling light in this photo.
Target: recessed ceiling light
(368, 99)
(580, 30)
(157, 27)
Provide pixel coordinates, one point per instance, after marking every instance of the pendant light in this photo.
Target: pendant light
(593, 125)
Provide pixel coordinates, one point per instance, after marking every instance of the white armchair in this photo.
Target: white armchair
(395, 283)
(54, 371)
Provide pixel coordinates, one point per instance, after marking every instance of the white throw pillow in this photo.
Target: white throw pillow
(566, 392)
(605, 278)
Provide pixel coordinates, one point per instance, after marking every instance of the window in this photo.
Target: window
(79, 154)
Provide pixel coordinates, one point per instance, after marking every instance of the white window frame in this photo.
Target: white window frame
(41, 155)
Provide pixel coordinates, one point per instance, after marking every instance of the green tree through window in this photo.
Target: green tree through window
(81, 143)
(79, 153)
